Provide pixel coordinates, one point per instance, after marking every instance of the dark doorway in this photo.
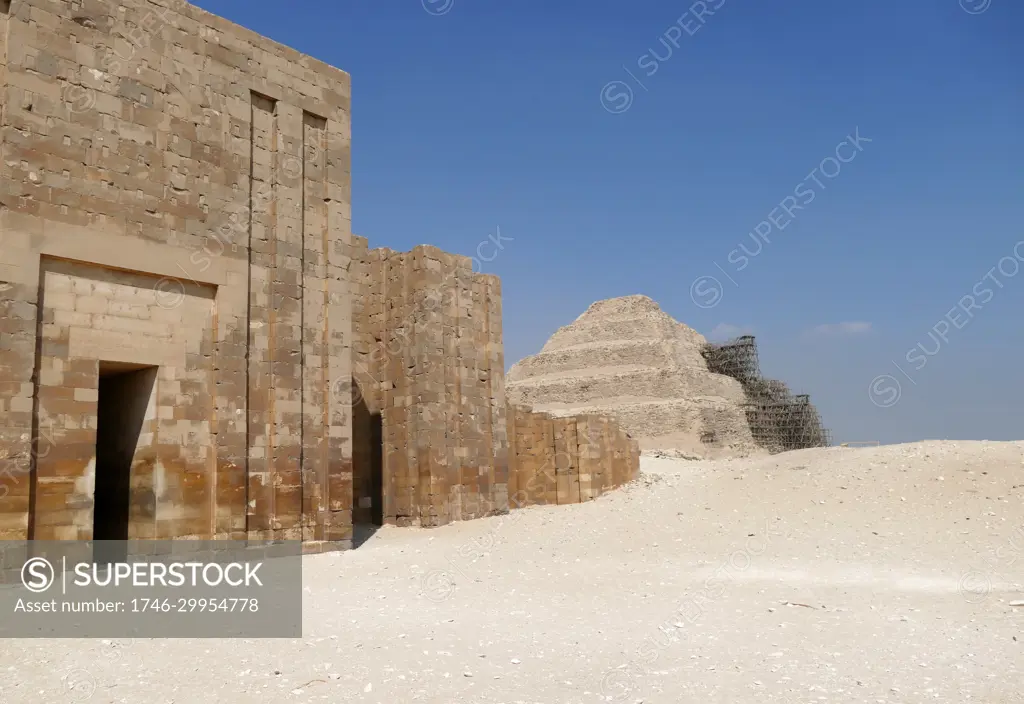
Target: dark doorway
(377, 468)
(367, 468)
(124, 394)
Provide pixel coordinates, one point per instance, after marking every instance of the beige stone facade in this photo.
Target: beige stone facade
(435, 440)
(174, 197)
(428, 367)
(192, 343)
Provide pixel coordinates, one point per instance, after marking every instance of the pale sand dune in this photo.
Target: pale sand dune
(904, 560)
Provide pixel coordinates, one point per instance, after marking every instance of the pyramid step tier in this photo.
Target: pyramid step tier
(603, 353)
(596, 385)
(701, 425)
(588, 331)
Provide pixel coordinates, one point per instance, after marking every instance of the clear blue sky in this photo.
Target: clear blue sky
(490, 116)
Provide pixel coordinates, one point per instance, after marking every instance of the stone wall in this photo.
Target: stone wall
(174, 196)
(566, 460)
(433, 439)
(193, 344)
(428, 379)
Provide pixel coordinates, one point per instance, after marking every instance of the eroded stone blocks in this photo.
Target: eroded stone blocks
(566, 460)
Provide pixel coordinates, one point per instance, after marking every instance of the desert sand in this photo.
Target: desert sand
(825, 575)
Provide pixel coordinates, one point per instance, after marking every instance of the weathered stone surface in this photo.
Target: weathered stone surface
(190, 332)
(174, 195)
(428, 372)
(628, 359)
(566, 459)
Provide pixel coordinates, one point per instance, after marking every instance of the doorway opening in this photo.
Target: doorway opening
(377, 469)
(124, 395)
(367, 468)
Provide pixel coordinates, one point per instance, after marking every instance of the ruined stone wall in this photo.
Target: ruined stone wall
(175, 196)
(433, 438)
(428, 374)
(568, 459)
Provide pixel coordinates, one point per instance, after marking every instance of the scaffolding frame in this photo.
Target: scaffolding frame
(779, 420)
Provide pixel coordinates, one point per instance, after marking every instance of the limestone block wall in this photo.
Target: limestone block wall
(89, 314)
(174, 197)
(568, 459)
(181, 298)
(428, 384)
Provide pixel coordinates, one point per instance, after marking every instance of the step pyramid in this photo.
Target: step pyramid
(627, 358)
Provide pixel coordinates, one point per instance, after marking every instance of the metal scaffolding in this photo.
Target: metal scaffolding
(778, 420)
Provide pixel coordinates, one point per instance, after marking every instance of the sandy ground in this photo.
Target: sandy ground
(904, 560)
